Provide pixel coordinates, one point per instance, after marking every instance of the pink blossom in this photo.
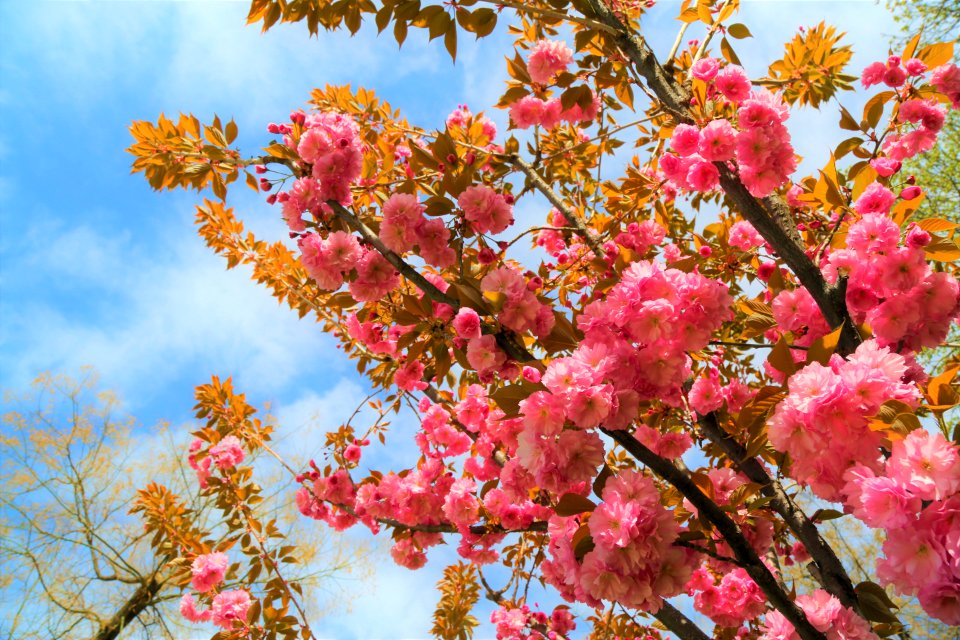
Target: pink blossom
(208, 571)
(227, 453)
(946, 78)
(743, 236)
(188, 609)
(685, 140)
(873, 74)
(927, 464)
(483, 354)
(526, 112)
(703, 176)
(915, 67)
(485, 209)
(230, 607)
(717, 141)
(705, 395)
(885, 167)
(733, 83)
(409, 377)
(467, 323)
(705, 69)
(876, 198)
(547, 58)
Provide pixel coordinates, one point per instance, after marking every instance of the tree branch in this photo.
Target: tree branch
(770, 216)
(727, 528)
(679, 624)
(569, 214)
(508, 344)
(832, 574)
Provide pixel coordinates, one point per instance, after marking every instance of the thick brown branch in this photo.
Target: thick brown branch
(831, 572)
(142, 598)
(770, 216)
(569, 214)
(726, 527)
(510, 346)
(679, 624)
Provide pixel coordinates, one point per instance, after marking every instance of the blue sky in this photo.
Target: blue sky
(96, 269)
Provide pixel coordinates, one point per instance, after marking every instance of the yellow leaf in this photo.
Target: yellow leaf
(937, 54)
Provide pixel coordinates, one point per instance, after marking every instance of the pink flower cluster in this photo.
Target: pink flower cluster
(404, 226)
(833, 404)
(826, 614)
(228, 607)
(512, 623)
(548, 58)
(946, 78)
(633, 560)
(521, 310)
(728, 601)
(530, 111)
(928, 115)
(226, 454)
(331, 260)
(208, 571)
(892, 73)
(915, 498)
(331, 144)
(375, 336)
(760, 143)
(638, 335)
(462, 118)
(743, 236)
(929, 118)
(486, 210)
(890, 284)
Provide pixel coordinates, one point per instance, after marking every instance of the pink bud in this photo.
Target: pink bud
(909, 193)
(485, 256)
(765, 270)
(260, 168)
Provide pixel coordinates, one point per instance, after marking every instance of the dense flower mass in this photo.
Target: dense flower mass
(826, 614)
(833, 404)
(914, 496)
(208, 571)
(890, 285)
(633, 561)
(593, 413)
(547, 58)
(760, 143)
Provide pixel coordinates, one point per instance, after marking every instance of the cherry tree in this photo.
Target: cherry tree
(637, 413)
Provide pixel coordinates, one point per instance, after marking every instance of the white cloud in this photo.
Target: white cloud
(156, 316)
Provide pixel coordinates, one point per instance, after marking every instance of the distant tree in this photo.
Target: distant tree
(940, 18)
(74, 563)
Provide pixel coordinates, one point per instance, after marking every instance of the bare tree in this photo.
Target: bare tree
(73, 562)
